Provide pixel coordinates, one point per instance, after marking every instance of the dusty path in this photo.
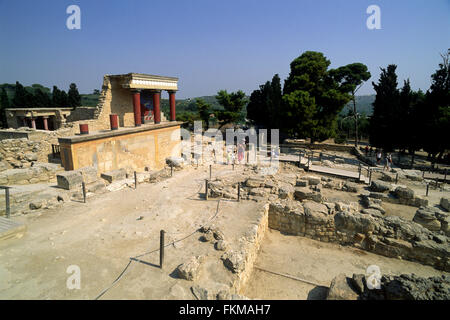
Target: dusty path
(318, 262)
(101, 235)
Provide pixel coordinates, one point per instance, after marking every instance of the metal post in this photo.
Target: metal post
(370, 176)
(445, 176)
(206, 189)
(299, 159)
(427, 189)
(239, 191)
(171, 170)
(135, 180)
(396, 178)
(161, 248)
(83, 186)
(359, 171)
(210, 172)
(8, 208)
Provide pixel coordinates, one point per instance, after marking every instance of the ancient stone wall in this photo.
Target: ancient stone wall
(249, 249)
(38, 173)
(18, 153)
(388, 236)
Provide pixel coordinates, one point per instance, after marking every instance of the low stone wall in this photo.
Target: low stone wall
(388, 236)
(38, 173)
(241, 261)
(288, 143)
(18, 153)
(82, 113)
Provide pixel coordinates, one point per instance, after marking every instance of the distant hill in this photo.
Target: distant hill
(363, 105)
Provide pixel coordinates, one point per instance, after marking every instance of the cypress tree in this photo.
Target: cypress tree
(74, 98)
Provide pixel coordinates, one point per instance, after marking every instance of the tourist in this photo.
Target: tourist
(240, 153)
(388, 160)
(378, 156)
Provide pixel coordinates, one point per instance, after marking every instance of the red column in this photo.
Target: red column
(156, 108)
(33, 123)
(114, 121)
(45, 123)
(172, 105)
(137, 108)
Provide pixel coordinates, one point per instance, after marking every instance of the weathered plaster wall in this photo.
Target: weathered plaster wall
(131, 151)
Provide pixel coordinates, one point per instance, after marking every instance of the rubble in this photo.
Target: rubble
(191, 268)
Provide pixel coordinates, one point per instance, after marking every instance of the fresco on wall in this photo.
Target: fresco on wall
(146, 106)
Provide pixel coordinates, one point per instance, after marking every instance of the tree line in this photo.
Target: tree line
(38, 97)
(313, 95)
(405, 119)
(309, 103)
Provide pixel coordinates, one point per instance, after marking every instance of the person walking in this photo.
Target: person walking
(388, 159)
(240, 153)
(378, 156)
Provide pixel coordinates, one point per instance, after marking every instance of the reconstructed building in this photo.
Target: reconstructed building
(129, 130)
(37, 118)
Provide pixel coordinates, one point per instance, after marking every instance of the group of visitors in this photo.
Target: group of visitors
(236, 153)
(379, 155)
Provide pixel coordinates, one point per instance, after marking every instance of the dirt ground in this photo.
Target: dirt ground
(316, 262)
(103, 234)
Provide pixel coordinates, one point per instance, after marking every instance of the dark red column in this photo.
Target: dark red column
(137, 107)
(172, 105)
(84, 128)
(33, 123)
(45, 122)
(114, 121)
(156, 106)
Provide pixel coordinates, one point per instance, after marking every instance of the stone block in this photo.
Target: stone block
(404, 193)
(445, 203)
(114, 175)
(89, 174)
(69, 179)
(379, 186)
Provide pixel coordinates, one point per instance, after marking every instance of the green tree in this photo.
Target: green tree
(351, 77)
(59, 98)
(41, 99)
(265, 104)
(384, 121)
(232, 103)
(4, 103)
(204, 111)
(22, 98)
(436, 119)
(312, 98)
(74, 98)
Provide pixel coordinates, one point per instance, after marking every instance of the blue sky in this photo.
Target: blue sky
(212, 45)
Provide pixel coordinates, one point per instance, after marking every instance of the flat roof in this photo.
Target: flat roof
(134, 75)
(114, 133)
(38, 109)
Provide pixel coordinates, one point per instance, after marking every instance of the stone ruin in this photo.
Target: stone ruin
(297, 207)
